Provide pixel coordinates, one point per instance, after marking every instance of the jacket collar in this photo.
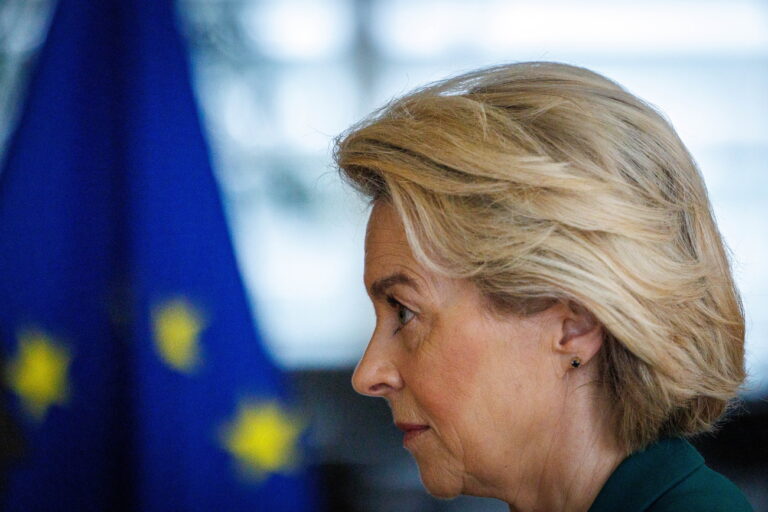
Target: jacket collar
(644, 476)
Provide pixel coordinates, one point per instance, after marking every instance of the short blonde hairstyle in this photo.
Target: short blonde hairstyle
(542, 181)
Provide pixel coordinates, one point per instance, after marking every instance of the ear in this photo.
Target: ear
(581, 334)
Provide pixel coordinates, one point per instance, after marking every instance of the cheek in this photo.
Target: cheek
(486, 374)
(448, 374)
(447, 383)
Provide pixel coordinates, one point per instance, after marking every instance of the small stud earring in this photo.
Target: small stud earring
(576, 362)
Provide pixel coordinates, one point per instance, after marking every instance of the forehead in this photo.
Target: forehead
(384, 227)
(386, 245)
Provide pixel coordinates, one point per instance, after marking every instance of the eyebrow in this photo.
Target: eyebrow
(379, 288)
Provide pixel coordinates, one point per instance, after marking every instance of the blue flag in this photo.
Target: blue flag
(130, 358)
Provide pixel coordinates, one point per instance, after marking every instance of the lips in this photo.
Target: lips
(411, 430)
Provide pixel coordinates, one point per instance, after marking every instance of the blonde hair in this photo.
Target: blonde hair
(542, 181)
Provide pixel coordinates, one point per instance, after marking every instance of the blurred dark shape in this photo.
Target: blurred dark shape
(11, 439)
(739, 450)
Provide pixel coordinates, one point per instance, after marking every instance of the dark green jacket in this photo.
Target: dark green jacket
(669, 476)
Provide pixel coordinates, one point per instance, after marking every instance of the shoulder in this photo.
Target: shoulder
(669, 475)
(704, 490)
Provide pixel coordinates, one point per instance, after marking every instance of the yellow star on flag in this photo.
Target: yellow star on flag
(177, 326)
(263, 439)
(38, 373)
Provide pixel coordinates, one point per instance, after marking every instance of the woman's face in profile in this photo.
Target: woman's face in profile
(485, 391)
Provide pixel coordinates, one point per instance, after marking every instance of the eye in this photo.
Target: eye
(404, 315)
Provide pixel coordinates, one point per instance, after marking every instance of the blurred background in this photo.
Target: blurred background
(276, 80)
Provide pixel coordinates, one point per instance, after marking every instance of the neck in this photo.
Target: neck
(581, 455)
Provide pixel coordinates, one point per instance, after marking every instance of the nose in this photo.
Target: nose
(376, 373)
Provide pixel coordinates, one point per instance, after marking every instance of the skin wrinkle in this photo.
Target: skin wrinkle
(484, 383)
(573, 191)
(569, 489)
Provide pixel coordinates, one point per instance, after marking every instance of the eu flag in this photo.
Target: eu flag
(130, 358)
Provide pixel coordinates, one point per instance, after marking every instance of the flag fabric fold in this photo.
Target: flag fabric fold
(130, 356)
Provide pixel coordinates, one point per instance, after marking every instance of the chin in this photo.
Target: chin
(443, 486)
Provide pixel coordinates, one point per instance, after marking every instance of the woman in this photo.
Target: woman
(555, 310)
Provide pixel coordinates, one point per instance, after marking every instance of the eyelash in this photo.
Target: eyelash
(397, 305)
